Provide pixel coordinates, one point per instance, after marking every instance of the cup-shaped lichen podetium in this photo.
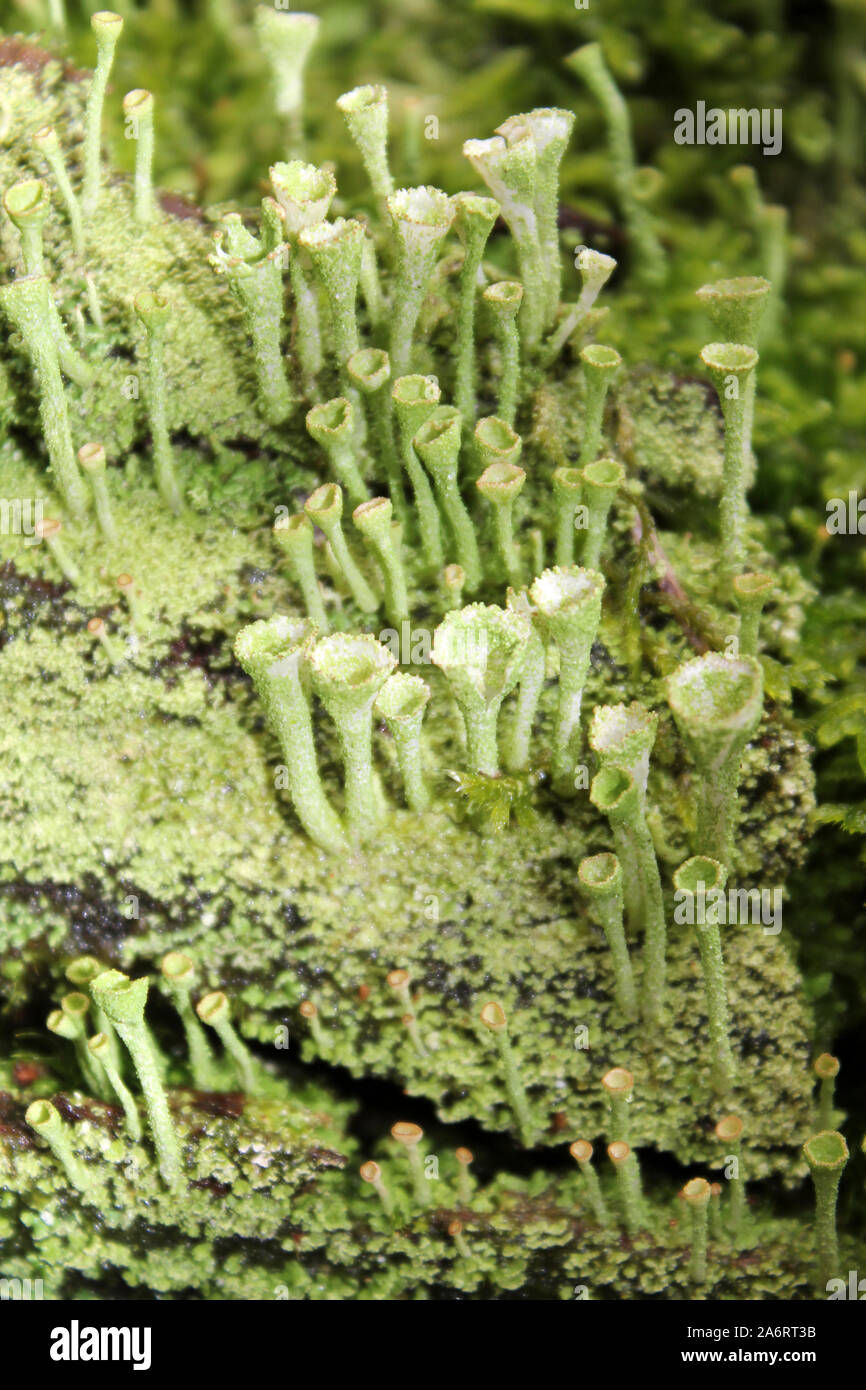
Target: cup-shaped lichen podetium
(600, 878)
(369, 371)
(178, 972)
(415, 398)
(91, 458)
(437, 444)
(45, 1119)
(107, 27)
(599, 365)
(28, 205)
(481, 650)
(567, 485)
(374, 520)
(623, 736)
(154, 311)
(826, 1068)
(503, 300)
(401, 703)
(324, 507)
(123, 1001)
(335, 251)
(286, 40)
(736, 307)
(493, 1017)
(214, 1010)
(332, 425)
(731, 366)
(502, 484)
(508, 164)
(348, 672)
(473, 223)
(421, 218)
(696, 1194)
(303, 193)
(26, 303)
(294, 536)
(274, 654)
(694, 881)
(826, 1154)
(550, 128)
(568, 600)
(138, 115)
(614, 792)
(581, 1152)
(751, 592)
(601, 482)
(717, 703)
(365, 110)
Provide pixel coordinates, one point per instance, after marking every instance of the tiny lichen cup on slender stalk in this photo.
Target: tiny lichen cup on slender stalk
(304, 193)
(100, 1049)
(81, 972)
(131, 594)
(410, 1137)
(493, 1017)
(465, 1157)
(717, 703)
(26, 303)
(401, 703)
(154, 311)
(551, 129)
(730, 1130)
(581, 1152)
(602, 480)
(568, 600)
(96, 627)
(751, 592)
(123, 1000)
(374, 521)
(618, 1084)
(615, 793)
(274, 654)
(508, 164)
(91, 460)
(697, 1194)
(600, 364)
(286, 40)
(44, 1118)
(178, 972)
(826, 1154)
(600, 878)
(214, 1010)
(253, 267)
(731, 366)
(502, 484)
(72, 1027)
(481, 650)
(415, 398)
(567, 484)
(595, 270)
(736, 308)
(826, 1069)
(335, 251)
(138, 112)
(27, 205)
(369, 370)
(503, 301)
(310, 1014)
(437, 444)
(627, 1171)
(473, 222)
(693, 882)
(332, 425)
(371, 1173)
(588, 62)
(453, 583)
(623, 736)
(107, 27)
(294, 536)
(324, 507)
(47, 143)
(348, 671)
(421, 219)
(48, 529)
(365, 111)
(496, 442)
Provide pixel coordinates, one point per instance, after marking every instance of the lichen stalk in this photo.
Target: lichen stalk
(421, 218)
(581, 1152)
(373, 520)
(695, 879)
(602, 481)
(600, 878)
(567, 485)
(600, 364)
(48, 145)
(369, 370)
(294, 536)
(503, 300)
(138, 108)
(91, 459)
(324, 507)
(481, 650)
(45, 1119)
(493, 1017)
(697, 1194)
(100, 1048)
(731, 366)
(826, 1069)
(401, 703)
(826, 1154)
(473, 222)
(332, 425)
(437, 444)
(751, 592)
(178, 973)
(214, 1010)
(154, 311)
(568, 601)
(107, 28)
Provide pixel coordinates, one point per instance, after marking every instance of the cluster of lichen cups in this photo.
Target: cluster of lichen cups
(437, 464)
